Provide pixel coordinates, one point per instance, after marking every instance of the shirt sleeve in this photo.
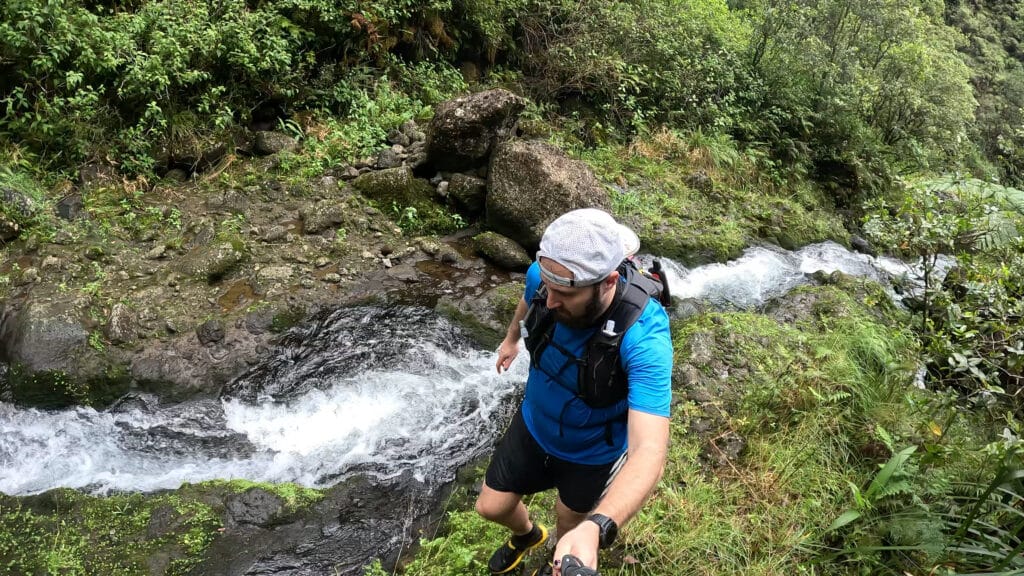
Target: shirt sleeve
(647, 358)
(532, 281)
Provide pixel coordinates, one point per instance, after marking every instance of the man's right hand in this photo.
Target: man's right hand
(571, 566)
(507, 352)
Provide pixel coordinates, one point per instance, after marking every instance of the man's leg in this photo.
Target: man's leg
(505, 508)
(516, 468)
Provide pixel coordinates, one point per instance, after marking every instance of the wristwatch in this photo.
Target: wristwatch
(609, 529)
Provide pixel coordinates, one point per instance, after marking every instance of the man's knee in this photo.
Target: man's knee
(494, 505)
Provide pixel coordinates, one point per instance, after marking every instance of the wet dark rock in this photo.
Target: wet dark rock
(531, 184)
(70, 207)
(861, 245)
(210, 332)
(464, 131)
(485, 318)
(355, 523)
(255, 506)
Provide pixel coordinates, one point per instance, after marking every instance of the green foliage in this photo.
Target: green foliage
(968, 322)
(165, 79)
(639, 63)
(295, 497)
(67, 532)
(864, 86)
(700, 198)
(993, 35)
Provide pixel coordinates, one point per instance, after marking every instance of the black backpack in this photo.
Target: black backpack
(602, 381)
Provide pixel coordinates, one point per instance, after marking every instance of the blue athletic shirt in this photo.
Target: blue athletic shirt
(574, 431)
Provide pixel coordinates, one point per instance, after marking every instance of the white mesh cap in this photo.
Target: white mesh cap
(589, 242)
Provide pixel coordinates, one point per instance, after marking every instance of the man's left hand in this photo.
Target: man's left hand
(581, 542)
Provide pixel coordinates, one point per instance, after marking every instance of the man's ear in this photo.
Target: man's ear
(611, 280)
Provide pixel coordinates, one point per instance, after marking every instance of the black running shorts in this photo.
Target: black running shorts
(519, 465)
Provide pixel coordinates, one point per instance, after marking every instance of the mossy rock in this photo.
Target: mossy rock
(54, 389)
(485, 319)
(213, 262)
(394, 186)
(502, 251)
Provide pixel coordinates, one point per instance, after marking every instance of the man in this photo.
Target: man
(603, 456)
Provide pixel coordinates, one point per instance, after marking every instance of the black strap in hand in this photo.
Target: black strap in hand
(571, 566)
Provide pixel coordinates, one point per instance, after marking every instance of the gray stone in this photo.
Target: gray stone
(156, 252)
(212, 262)
(210, 332)
(121, 325)
(272, 274)
(17, 210)
(71, 207)
(275, 233)
(468, 193)
(42, 336)
(464, 131)
(268, 143)
(388, 158)
(531, 184)
(321, 216)
(255, 506)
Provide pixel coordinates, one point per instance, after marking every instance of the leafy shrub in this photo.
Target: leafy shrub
(155, 81)
(970, 321)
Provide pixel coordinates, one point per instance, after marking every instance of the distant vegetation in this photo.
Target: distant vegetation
(850, 92)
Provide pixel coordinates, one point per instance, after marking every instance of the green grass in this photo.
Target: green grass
(703, 199)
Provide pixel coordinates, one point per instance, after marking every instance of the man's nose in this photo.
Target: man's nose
(553, 301)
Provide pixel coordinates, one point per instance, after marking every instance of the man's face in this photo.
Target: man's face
(574, 307)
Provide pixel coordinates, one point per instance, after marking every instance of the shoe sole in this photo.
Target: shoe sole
(527, 550)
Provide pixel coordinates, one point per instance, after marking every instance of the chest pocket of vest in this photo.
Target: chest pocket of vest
(602, 380)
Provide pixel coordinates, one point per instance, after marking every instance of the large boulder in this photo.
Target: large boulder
(464, 131)
(42, 336)
(213, 261)
(502, 251)
(52, 363)
(531, 184)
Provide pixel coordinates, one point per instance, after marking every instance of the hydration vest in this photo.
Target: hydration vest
(601, 380)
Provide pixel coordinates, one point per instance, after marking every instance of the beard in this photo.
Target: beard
(588, 318)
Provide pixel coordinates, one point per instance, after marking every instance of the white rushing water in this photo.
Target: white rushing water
(383, 422)
(764, 273)
(356, 394)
